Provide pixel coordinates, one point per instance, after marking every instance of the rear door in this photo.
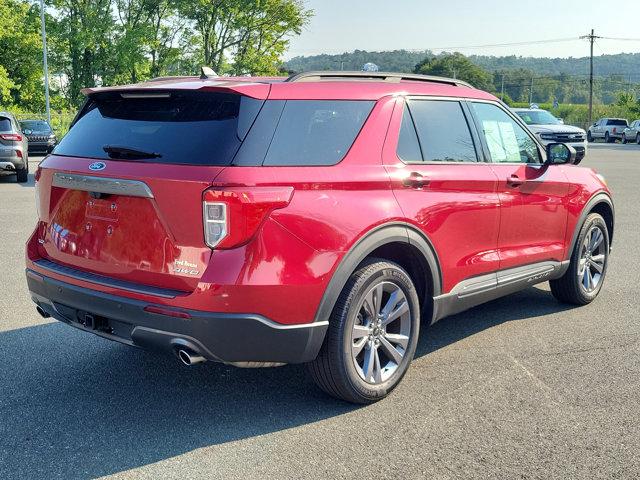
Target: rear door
(122, 196)
(533, 197)
(433, 157)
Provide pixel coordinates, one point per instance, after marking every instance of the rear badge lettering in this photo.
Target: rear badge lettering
(185, 268)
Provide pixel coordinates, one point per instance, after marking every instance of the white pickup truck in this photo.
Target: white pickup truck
(610, 129)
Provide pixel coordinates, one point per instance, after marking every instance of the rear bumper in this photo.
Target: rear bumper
(10, 165)
(223, 337)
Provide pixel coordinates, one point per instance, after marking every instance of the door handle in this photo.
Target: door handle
(415, 180)
(514, 181)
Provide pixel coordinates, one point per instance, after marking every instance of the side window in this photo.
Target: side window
(508, 142)
(408, 145)
(316, 132)
(443, 131)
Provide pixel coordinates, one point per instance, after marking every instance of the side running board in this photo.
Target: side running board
(484, 288)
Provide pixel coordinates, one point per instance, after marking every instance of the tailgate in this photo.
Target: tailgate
(134, 223)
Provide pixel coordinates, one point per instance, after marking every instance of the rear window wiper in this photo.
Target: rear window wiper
(118, 151)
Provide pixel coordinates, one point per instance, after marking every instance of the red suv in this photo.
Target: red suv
(317, 219)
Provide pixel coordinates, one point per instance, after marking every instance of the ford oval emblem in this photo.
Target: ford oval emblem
(97, 166)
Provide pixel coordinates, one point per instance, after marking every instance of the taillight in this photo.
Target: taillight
(19, 153)
(12, 137)
(615, 129)
(232, 216)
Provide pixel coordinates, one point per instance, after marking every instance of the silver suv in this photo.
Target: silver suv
(610, 129)
(14, 151)
(550, 129)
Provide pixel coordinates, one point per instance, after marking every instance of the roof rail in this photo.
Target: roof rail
(391, 77)
(174, 77)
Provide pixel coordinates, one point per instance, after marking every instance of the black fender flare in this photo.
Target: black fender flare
(375, 238)
(598, 198)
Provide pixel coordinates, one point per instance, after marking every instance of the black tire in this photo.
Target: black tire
(607, 138)
(569, 288)
(624, 139)
(638, 138)
(22, 175)
(589, 137)
(335, 370)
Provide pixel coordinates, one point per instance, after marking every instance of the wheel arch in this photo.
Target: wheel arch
(602, 204)
(397, 242)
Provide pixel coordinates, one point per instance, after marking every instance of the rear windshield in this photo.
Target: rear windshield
(618, 123)
(5, 124)
(194, 128)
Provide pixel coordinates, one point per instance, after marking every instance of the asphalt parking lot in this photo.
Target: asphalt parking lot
(522, 387)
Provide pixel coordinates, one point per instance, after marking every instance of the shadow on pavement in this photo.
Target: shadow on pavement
(77, 406)
(527, 304)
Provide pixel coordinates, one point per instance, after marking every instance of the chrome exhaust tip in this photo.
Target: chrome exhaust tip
(42, 313)
(190, 358)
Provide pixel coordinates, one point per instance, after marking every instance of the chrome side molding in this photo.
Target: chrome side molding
(112, 186)
(477, 290)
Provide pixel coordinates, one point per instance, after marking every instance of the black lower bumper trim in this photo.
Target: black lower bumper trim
(226, 337)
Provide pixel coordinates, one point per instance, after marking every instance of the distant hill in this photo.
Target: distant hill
(626, 65)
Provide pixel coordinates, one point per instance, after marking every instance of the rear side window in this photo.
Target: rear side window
(617, 123)
(5, 125)
(316, 132)
(442, 130)
(194, 128)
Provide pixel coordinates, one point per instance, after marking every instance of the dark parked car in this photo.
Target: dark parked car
(14, 155)
(317, 219)
(40, 135)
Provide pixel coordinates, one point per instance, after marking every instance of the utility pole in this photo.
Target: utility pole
(592, 39)
(531, 92)
(46, 67)
(502, 89)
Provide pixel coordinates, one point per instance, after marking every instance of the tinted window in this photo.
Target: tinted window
(182, 127)
(443, 131)
(507, 140)
(5, 125)
(408, 146)
(617, 123)
(316, 132)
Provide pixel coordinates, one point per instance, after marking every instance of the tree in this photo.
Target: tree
(20, 54)
(457, 66)
(82, 43)
(253, 31)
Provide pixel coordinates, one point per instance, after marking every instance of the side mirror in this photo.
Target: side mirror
(560, 154)
(561, 121)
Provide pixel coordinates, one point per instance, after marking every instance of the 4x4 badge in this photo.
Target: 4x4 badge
(97, 166)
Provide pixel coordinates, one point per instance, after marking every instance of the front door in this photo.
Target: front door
(533, 196)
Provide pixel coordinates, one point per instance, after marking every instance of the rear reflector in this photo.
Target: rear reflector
(12, 137)
(19, 153)
(166, 311)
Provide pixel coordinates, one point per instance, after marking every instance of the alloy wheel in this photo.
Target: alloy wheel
(593, 258)
(381, 332)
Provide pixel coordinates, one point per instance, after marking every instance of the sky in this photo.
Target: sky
(347, 25)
